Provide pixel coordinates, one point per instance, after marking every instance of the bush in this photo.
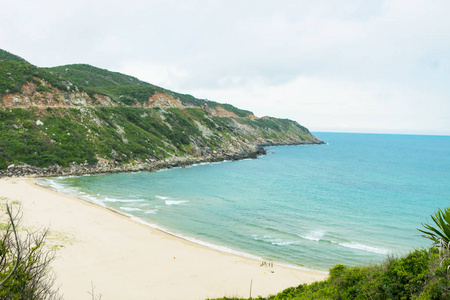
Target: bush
(24, 262)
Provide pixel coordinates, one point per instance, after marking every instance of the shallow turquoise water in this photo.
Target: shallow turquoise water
(354, 201)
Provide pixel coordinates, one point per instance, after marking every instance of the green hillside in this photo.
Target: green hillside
(14, 74)
(5, 55)
(80, 114)
(89, 76)
(43, 137)
(126, 89)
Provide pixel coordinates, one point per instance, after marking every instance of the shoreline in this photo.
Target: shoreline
(105, 166)
(155, 260)
(194, 240)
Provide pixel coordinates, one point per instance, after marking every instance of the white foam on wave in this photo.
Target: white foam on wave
(106, 199)
(52, 184)
(161, 197)
(151, 211)
(261, 238)
(317, 235)
(130, 208)
(199, 164)
(72, 191)
(282, 243)
(273, 241)
(366, 248)
(175, 202)
(92, 199)
(314, 235)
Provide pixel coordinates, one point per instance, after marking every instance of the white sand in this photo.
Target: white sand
(127, 260)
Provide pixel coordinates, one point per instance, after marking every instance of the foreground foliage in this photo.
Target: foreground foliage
(24, 261)
(440, 233)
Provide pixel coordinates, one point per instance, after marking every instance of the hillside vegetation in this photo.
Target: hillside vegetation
(83, 115)
(129, 90)
(43, 137)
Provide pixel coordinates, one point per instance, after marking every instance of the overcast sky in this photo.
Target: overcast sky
(343, 65)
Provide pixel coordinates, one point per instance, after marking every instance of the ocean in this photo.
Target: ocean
(355, 200)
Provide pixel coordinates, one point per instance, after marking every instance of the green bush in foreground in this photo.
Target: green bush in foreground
(24, 261)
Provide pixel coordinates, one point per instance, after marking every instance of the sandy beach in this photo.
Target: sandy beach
(124, 259)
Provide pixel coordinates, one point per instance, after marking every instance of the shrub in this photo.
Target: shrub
(24, 262)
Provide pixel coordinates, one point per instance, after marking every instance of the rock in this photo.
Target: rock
(196, 151)
(116, 156)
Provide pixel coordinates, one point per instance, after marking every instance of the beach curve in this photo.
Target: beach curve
(125, 259)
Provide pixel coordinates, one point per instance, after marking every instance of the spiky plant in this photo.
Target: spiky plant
(439, 232)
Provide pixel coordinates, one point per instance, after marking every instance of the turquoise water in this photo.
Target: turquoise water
(354, 201)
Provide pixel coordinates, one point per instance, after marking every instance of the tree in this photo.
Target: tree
(439, 233)
(24, 261)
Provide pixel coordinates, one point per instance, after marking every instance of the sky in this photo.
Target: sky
(374, 66)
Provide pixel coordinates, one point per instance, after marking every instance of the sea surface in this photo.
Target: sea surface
(355, 200)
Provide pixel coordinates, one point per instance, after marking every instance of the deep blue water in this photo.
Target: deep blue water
(354, 200)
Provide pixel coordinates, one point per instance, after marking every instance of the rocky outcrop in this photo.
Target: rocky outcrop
(219, 111)
(45, 95)
(163, 100)
(105, 101)
(114, 166)
(48, 97)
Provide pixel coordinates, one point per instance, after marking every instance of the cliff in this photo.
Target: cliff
(79, 119)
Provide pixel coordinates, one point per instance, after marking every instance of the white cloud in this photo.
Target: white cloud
(162, 75)
(350, 65)
(322, 105)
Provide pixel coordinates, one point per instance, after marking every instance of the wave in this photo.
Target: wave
(130, 208)
(52, 184)
(199, 164)
(282, 243)
(272, 240)
(175, 202)
(151, 211)
(366, 248)
(78, 193)
(314, 235)
(317, 236)
(161, 197)
(106, 199)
